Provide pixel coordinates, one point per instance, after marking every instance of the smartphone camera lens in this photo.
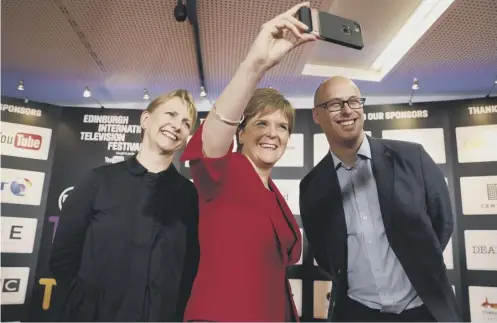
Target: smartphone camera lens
(357, 28)
(346, 30)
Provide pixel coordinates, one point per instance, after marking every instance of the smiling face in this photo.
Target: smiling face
(167, 125)
(344, 127)
(265, 137)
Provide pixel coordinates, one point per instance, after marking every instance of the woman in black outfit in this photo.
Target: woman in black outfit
(126, 248)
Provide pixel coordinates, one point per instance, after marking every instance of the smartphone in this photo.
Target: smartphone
(332, 28)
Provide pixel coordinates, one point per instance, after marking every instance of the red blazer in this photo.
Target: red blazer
(246, 242)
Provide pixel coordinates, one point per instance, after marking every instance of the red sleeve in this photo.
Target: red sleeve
(207, 173)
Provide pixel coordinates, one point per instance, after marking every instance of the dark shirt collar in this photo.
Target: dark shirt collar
(136, 168)
(363, 151)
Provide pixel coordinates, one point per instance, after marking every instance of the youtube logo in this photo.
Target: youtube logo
(24, 141)
(27, 141)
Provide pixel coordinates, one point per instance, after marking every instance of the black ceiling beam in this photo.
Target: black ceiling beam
(191, 9)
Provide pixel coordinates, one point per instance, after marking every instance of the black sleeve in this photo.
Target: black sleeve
(306, 214)
(437, 198)
(69, 239)
(192, 256)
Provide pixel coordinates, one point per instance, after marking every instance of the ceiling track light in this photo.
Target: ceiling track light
(414, 88)
(20, 87)
(491, 89)
(87, 92)
(415, 84)
(146, 96)
(203, 94)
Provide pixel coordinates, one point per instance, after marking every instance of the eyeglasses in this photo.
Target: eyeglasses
(335, 105)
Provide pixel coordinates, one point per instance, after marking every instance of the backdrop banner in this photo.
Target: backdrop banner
(460, 136)
(86, 138)
(27, 149)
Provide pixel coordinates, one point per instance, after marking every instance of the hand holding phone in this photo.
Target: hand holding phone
(332, 28)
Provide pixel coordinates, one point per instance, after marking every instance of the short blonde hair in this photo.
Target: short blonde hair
(182, 94)
(265, 101)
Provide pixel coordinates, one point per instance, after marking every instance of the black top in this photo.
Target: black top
(126, 247)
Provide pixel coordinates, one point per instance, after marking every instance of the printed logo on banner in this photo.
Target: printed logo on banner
(289, 189)
(483, 303)
(14, 283)
(21, 186)
(235, 146)
(296, 286)
(479, 195)
(322, 147)
(481, 249)
(294, 153)
(322, 297)
(63, 196)
(114, 159)
(448, 255)
(432, 139)
(18, 234)
(476, 144)
(25, 141)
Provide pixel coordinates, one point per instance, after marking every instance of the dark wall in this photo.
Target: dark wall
(435, 125)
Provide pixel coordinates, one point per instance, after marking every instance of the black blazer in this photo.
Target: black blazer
(416, 210)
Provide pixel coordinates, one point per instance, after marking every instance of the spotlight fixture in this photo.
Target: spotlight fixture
(202, 92)
(415, 84)
(145, 95)
(180, 11)
(86, 92)
(20, 87)
(26, 100)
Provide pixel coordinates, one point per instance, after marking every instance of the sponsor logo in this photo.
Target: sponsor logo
(14, 282)
(476, 144)
(289, 189)
(484, 249)
(479, 195)
(492, 191)
(114, 159)
(483, 303)
(294, 153)
(11, 285)
(25, 141)
(487, 304)
(18, 187)
(18, 234)
(63, 196)
(432, 140)
(481, 249)
(21, 186)
(48, 284)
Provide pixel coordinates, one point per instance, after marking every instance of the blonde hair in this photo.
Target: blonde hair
(182, 94)
(263, 102)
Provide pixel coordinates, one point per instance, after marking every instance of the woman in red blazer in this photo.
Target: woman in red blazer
(247, 233)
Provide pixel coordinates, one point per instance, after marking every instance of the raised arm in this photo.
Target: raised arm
(276, 38)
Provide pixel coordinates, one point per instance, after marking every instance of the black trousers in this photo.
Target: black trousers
(352, 311)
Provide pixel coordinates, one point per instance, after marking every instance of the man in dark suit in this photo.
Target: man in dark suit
(377, 215)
